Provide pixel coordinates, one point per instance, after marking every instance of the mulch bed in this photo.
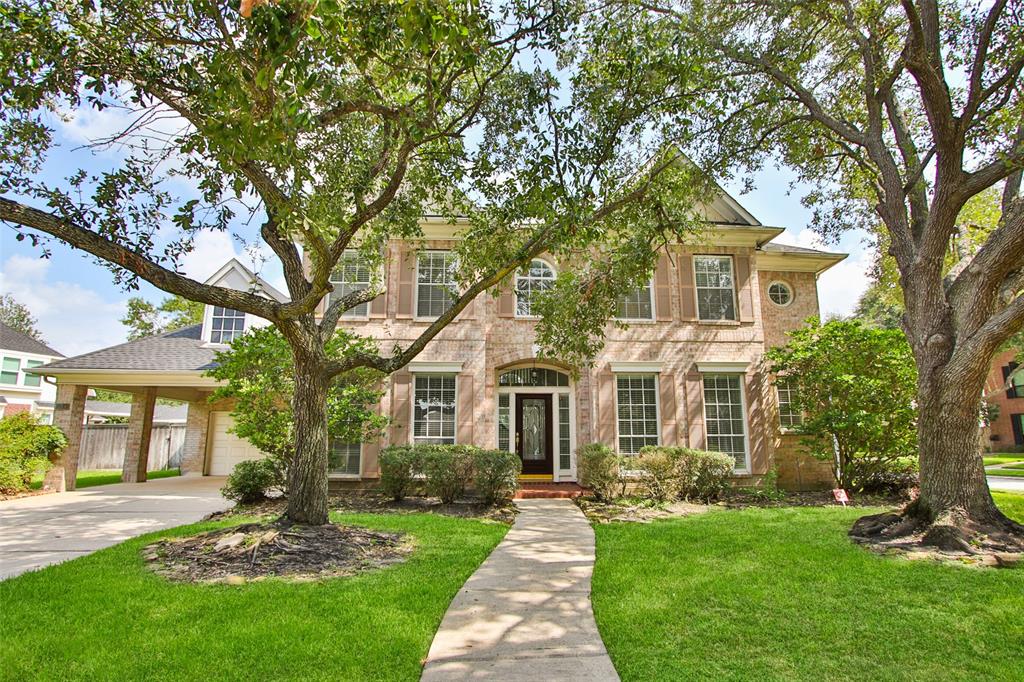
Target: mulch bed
(741, 499)
(23, 493)
(636, 511)
(255, 551)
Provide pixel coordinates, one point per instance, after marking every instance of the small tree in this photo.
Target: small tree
(17, 316)
(25, 449)
(261, 379)
(856, 388)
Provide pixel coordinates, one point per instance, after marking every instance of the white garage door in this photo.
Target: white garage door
(227, 449)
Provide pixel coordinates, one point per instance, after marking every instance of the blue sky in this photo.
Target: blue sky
(79, 307)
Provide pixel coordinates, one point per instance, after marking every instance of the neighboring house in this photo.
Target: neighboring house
(687, 370)
(22, 391)
(1004, 389)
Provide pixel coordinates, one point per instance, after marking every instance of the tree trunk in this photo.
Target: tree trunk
(307, 473)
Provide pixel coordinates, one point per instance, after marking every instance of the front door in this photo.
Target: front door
(533, 433)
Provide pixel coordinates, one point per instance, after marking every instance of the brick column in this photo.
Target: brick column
(140, 428)
(68, 415)
(193, 456)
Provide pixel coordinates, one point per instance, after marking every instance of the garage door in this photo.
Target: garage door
(227, 449)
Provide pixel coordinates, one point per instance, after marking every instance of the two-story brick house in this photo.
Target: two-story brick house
(686, 370)
(1004, 389)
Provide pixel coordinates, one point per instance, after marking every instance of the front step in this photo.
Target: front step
(530, 490)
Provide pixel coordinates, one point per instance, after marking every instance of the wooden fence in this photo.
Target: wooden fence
(103, 446)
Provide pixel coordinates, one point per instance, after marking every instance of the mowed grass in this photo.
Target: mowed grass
(1002, 459)
(1006, 471)
(105, 616)
(782, 594)
(91, 477)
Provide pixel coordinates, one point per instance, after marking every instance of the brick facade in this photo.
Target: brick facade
(1002, 434)
(193, 457)
(68, 414)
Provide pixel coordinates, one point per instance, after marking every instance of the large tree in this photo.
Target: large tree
(145, 318)
(331, 125)
(896, 111)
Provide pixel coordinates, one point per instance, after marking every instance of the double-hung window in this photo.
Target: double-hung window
(637, 411)
(33, 379)
(723, 416)
(533, 280)
(716, 297)
(433, 416)
(637, 304)
(226, 324)
(789, 416)
(351, 275)
(344, 458)
(435, 283)
(9, 371)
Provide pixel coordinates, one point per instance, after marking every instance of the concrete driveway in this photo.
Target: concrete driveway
(1005, 483)
(47, 529)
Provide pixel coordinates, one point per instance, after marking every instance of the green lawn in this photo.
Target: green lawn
(760, 594)
(1006, 472)
(1012, 504)
(1002, 459)
(90, 477)
(104, 616)
(1016, 466)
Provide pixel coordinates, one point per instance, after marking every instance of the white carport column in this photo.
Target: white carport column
(68, 415)
(140, 428)
(193, 457)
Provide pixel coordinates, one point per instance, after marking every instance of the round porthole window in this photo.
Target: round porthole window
(780, 293)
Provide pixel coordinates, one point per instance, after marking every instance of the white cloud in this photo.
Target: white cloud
(213, 249)
(72, 318)
(841, 286)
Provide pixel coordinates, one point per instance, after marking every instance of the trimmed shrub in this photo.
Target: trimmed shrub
(447, 470)
(600, 470)
(399, 466)
(496, 475)
(710, 475)
(26, 448)
(251, 480)
(662, 472)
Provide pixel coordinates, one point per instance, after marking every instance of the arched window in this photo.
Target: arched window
(533, 376)
(534, 279)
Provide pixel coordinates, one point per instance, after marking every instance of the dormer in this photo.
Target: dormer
(222, 325)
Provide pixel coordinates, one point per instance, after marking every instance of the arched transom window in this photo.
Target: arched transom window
(533, 376)
(530, 281)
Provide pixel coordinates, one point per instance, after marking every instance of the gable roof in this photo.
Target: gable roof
(181, 350)
(12, 339)
(252, 280)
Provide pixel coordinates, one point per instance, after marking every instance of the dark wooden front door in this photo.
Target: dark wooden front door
(533, 433)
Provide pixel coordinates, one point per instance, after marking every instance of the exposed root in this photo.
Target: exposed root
(952, 536)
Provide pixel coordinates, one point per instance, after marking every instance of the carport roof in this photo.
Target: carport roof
(181, 350)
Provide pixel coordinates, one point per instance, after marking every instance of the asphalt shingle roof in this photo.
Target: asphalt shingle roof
(180, 350)
(12, 339)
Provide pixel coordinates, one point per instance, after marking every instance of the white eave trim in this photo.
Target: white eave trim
(722, 367)
(637, 367)
(435, 367)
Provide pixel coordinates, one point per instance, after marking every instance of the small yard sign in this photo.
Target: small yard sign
(841, 496)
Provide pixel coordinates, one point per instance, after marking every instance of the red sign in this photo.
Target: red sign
(840, 496)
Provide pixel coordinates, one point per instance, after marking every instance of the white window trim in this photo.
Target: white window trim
(343, 316)
(515, 288)
(554, 391)
(722, 367)
(349, 477)
(412, 407)
(629, 367)
(743, 410)
(416, 286)
(657, 407)
(696, 289)
(778, 405)
(208, 326)
(654, 310)
(424, 367)
(789, 287)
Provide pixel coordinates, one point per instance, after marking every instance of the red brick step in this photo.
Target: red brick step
(533, 490)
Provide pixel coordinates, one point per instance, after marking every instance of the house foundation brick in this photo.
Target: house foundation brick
(68, 415)
(140, 427)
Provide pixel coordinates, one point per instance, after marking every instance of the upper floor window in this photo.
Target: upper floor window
(789, 416)
(716, 298)
(9, 371)
(351, 275)
(33, 379)
(637, 304)
(435, 283)
(637, 411)
(433, 416)
(538, 277)
(226, 324)
(780, 293)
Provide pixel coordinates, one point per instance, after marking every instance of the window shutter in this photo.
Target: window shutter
(466, 402)
(1011, 390)
(756, 423)
(662, 289)
(1018, 428)
(606, 409)
(694, 409)
(406, 282)
(667, 386)
(401, 408)
(687, 290)
(506, 303)
(744, 289)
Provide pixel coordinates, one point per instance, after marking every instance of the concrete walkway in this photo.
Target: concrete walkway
(47, 529)
(525, 614)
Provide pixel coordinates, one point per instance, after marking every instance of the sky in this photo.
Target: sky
(79, 308)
